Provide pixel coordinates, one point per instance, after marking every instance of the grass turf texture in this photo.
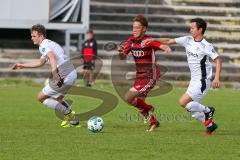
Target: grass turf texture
(31, 131)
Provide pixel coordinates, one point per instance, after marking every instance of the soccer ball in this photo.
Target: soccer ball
(95, 124)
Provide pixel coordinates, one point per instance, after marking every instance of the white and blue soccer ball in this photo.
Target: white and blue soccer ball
(95, 124)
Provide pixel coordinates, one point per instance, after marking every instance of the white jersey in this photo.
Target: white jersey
(64, 66)
(198, 54)
(51, 46)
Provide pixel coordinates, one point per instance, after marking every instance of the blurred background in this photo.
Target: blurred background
(68, 20)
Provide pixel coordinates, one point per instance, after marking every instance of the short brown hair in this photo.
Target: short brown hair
(200, 24)
(40, 29)
(143, 20)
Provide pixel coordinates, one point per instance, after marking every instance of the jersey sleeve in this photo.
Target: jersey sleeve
(44, 50)
(182, 40)
(211, 52)
(155, 45)
(126, 46)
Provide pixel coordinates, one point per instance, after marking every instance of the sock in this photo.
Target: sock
(51, 103)
(197, 107)
(153, 120)
(200, 116)
(65, 103)
(208, 125)
(141, 104)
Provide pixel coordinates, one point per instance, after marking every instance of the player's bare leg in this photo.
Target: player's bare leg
(184, 100)
(90, 77)
(86, 76)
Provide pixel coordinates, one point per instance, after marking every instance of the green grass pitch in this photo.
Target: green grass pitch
(31, 131)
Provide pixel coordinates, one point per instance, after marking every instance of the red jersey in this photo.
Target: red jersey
(144, 57)
(89, 50)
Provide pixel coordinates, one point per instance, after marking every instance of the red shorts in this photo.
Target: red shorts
(144, 84)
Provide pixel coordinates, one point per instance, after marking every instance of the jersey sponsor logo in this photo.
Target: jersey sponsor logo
(190, 54)
(138, 53)
(137, 87)
(43, 49)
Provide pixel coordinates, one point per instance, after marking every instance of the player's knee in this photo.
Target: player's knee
(128, 99)
(182, 102)
(60, 98)
(40, 98)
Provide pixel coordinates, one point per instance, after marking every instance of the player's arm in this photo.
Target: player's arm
(123, 49)
(165, 48)
(216, 81)
(121, 54)
(34, 64)
(53, 63)
(157, 45)
(163, 41)
(167, 41)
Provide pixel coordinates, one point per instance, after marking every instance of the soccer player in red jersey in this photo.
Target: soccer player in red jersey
(147, 71)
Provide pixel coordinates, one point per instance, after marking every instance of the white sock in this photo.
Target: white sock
(200, 116)
(66, 104)
(51, 103)
(197, 107)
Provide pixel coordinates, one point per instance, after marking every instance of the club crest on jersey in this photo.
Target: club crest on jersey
(43, 49)
(137, 53)
(213, 50)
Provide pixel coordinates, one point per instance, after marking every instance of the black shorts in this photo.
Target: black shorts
(89, 66)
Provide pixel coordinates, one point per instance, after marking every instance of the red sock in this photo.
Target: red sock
(141, 104)
(153, 120)
(208, 122)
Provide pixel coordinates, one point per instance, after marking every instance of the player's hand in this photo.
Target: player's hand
(56, 76)
(147, 42)
(215, 83)
(17, 66)
(124, 48)
(165, 48)
(120, 49)
(122, 55)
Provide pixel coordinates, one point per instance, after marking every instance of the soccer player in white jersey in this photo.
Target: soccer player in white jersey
(63, 74)
(198, 52)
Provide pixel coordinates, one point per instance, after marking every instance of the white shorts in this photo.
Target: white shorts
(52, 90)
(197, 89)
